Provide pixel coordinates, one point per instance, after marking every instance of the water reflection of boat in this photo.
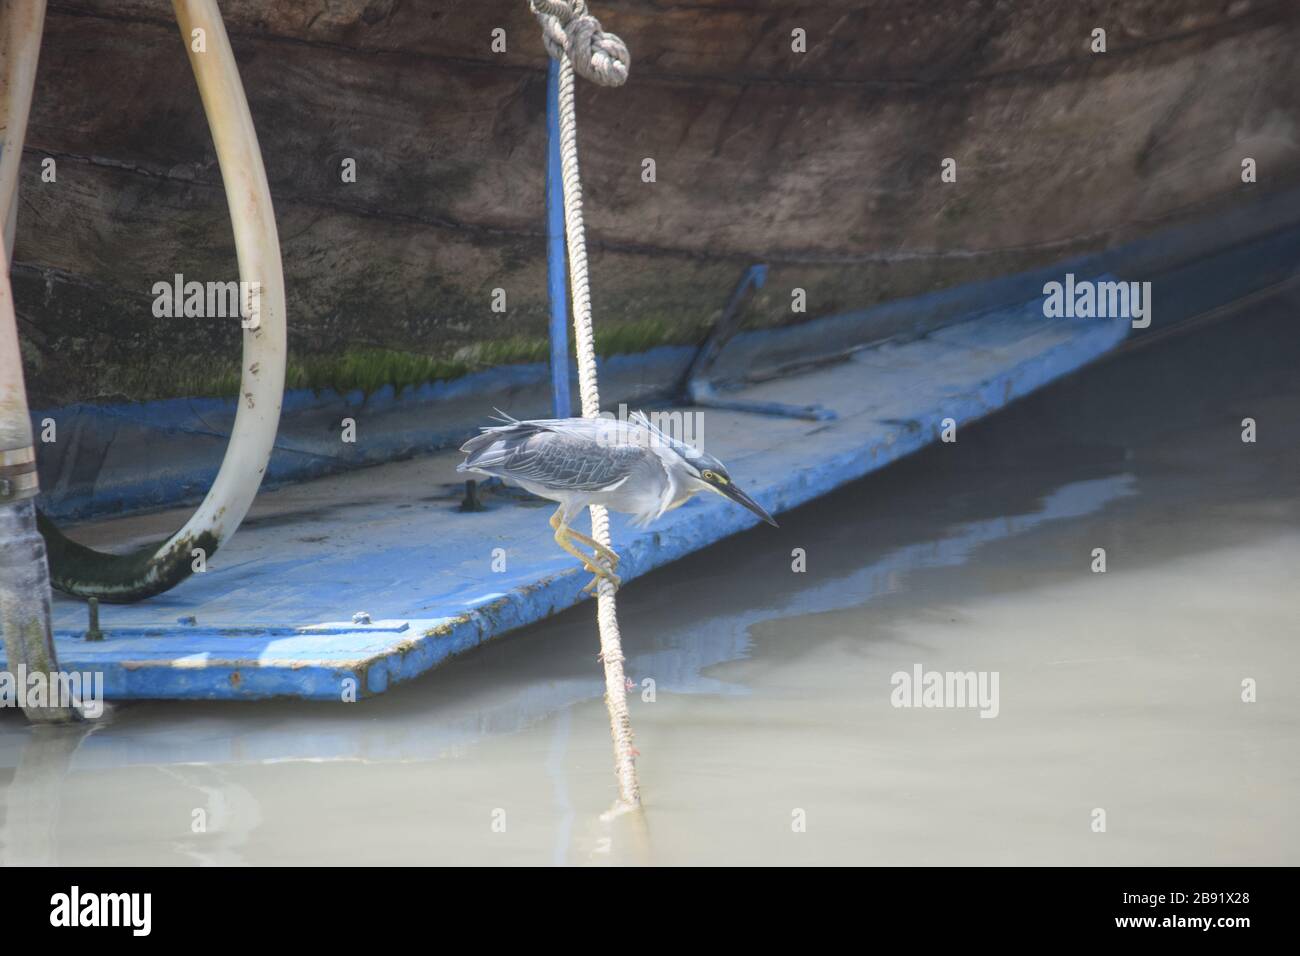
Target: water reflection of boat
(480, 705)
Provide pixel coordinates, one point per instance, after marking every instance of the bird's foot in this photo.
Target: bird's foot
(601, 573)
(591, 586)
(610, 557)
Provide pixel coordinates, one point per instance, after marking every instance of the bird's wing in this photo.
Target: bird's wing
(586, 429)
(489, 434)
(559, 458)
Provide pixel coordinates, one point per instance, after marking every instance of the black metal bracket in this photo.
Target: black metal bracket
(698, 389)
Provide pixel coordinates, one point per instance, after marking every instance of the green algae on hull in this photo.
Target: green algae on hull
(371, 369)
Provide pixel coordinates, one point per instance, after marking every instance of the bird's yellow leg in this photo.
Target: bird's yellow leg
(588, 562)
(592, 543)
(596, 546)
(592, 564)
(603, 572)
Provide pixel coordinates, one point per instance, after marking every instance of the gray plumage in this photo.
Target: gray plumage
(629, 466)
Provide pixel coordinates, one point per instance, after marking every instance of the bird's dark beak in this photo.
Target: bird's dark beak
(740, 498)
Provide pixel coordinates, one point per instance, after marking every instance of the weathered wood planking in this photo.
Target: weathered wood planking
(825, 165)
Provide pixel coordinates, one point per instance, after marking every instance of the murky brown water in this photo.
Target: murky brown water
(1118, 691)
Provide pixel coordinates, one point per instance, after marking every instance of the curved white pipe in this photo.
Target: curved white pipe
(20, 45)
(24, 575)
(81, 570)
(257, 244)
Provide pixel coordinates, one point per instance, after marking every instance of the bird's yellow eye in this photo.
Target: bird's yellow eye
(714, 477)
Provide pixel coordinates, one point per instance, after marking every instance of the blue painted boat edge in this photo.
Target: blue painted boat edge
(426, 644)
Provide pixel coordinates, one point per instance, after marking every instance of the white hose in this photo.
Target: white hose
(24, 575)
(20, 45)
(257, 246)
(83, 571)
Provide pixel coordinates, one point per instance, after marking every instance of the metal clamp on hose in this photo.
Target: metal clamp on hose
(18, 474)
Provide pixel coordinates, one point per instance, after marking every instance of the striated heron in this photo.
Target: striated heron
(630, 466)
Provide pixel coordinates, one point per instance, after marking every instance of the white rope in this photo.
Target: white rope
(571, 35)
(567, 27)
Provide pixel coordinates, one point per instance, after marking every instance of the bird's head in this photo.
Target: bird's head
(705, 472)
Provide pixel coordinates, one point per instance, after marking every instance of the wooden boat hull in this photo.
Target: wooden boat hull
(825, 165)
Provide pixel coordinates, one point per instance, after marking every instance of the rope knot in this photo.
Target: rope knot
(567, 27)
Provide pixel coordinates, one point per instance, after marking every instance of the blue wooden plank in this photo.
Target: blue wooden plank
(273, 616)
